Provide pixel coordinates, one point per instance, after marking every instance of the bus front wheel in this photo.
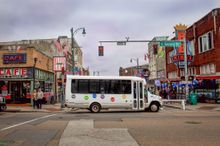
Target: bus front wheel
(95, 107)
(154, 107)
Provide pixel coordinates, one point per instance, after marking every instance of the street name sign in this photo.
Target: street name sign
(170, 44)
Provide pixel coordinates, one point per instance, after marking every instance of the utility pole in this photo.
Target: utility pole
(72, 47)
(186, 66)
(72, 44)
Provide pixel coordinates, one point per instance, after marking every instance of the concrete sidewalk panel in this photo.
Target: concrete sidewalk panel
(80, 133)
(80, 124)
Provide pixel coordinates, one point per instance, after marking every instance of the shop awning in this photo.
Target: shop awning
(207, 77)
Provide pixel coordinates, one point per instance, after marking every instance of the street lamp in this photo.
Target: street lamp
(72, 45)
(186, 66)
(137, 60)
(35, 61)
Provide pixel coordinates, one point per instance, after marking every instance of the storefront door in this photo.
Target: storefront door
(16, 92)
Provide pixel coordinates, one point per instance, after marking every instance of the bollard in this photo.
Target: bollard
(183, 104)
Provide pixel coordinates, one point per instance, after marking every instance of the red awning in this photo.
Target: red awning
(207, 77)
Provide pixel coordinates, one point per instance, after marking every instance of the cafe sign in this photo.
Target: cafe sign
(15, 72)
(14, 58)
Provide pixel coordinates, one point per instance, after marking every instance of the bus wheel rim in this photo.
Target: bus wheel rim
(154, 107)
(95, 108)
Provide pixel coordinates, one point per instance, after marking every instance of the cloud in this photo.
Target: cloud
(103, 20)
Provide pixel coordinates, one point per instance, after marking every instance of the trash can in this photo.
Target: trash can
(193, 98)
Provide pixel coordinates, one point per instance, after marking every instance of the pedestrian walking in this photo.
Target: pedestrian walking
(34, 97)
(40, 96)
(164, 94)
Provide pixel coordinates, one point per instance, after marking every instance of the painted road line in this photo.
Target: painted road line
(16, 125)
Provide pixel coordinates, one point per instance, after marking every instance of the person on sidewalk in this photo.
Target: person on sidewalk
(34, 97)
(40, 96)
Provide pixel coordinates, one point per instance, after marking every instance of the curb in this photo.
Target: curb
(43, 111)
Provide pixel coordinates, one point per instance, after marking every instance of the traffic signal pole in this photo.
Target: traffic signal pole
(166, 43)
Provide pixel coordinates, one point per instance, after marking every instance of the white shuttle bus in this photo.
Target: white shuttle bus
(109, 92)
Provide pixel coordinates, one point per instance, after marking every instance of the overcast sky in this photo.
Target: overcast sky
(103, 20)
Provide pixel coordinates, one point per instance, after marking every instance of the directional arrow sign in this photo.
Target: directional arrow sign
(170, 44)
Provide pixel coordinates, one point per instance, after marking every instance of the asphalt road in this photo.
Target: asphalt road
(168, 127)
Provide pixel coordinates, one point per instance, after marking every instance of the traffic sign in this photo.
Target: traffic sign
(121, 43)
(170, 44)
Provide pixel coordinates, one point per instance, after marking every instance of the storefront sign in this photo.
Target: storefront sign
(180, 57)
(177, 55)
(14, 72)
(59, 62)
(14, 58)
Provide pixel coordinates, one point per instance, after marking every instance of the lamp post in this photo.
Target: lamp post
(35, 61)
(72, 43)
(186, 66)
(137, 60)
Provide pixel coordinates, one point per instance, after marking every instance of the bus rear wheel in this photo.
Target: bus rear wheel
(154, 107)
(95, 107)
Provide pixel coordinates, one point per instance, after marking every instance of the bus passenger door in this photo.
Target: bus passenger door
(135, 96)
(138, 99)
(140, 96)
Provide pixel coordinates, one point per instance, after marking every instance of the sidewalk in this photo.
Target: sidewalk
(29, 108)
(57, 107)
(198, 106)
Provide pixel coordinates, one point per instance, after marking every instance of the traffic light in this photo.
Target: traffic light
(63, 70)
(101, 51)
(155, 46)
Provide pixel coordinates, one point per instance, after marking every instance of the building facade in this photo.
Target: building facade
(157, 61)
(20, 70)
(204, 37)
(203, 43)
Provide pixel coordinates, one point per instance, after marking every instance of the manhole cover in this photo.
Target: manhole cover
(207, 107)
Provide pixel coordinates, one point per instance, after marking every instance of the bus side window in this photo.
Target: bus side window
(94, 86)
(74, 86)
(83, 86)
(125, 87)
(102, 87)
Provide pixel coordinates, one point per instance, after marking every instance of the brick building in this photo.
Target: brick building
(17, 70)
(203, 42)
(204, 36)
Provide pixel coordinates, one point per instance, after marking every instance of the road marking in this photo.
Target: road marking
(26, 122)
(82, 132)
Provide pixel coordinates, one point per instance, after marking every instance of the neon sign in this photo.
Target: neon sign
(14, 58)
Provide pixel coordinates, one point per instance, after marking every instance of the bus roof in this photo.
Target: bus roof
(105, 77)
